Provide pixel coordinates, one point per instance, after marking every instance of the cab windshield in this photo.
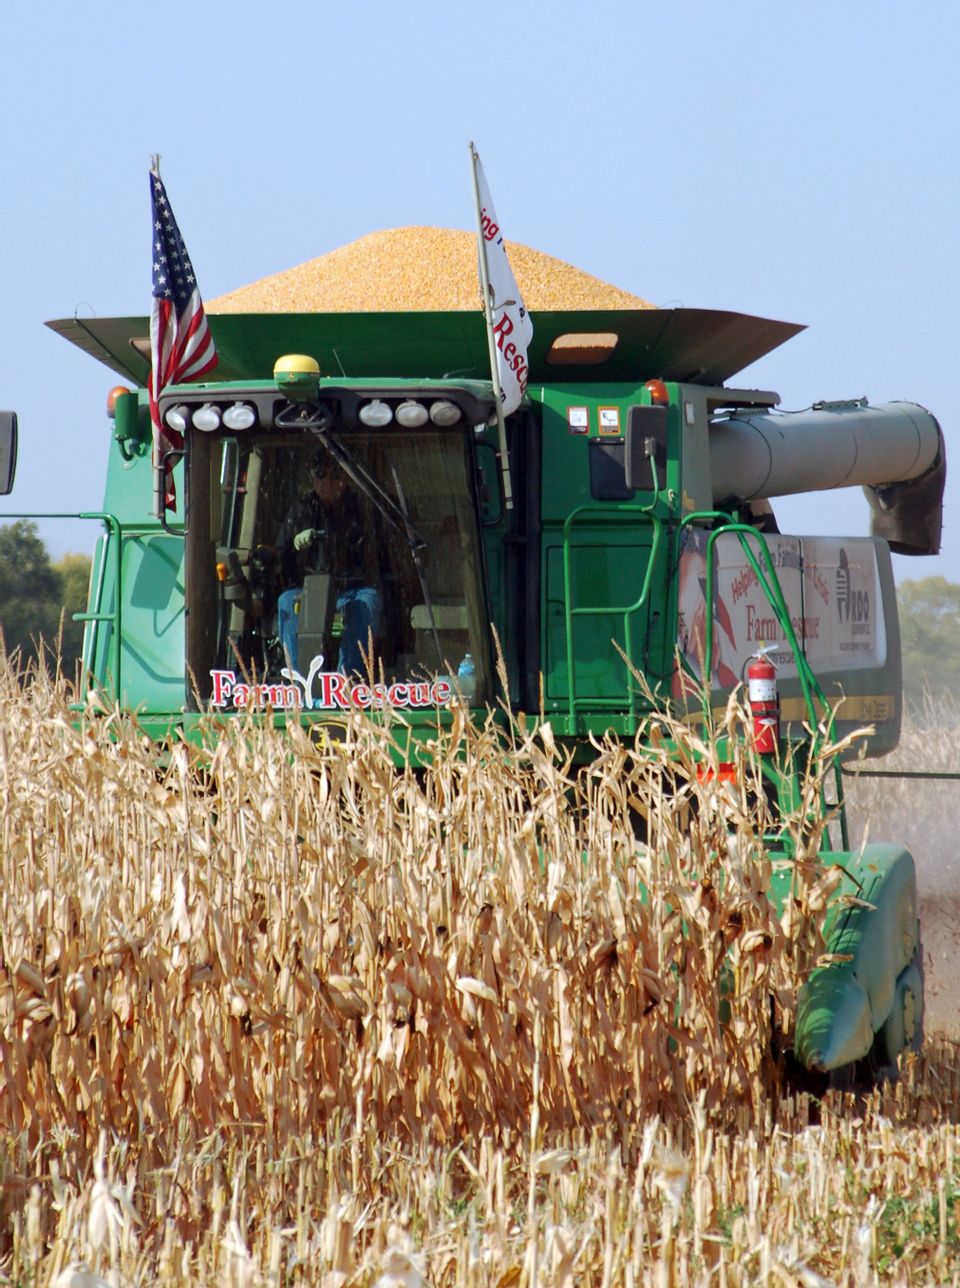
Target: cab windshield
(324, 572)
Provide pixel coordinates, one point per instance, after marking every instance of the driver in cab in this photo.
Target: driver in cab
(324, 532)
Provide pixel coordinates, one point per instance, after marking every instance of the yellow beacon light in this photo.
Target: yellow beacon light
(297, 375)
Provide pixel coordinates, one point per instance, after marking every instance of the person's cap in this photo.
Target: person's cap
(323, 462)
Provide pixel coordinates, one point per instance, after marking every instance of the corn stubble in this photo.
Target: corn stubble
(292, 1016)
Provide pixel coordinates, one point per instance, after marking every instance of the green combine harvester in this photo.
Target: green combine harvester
(640, 542)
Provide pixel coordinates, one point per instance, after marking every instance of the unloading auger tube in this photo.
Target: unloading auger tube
(894, 450)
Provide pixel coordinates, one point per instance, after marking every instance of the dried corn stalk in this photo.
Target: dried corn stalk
(231, 1049)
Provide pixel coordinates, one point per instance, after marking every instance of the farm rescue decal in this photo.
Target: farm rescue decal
(831, 588)
(323, 690)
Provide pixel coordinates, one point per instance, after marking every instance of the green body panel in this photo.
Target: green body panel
(845, 1005)
(153, 621)
(607, 594)
(150, 621)
(606, 573)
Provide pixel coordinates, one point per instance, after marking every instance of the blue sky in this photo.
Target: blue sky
(798, 162)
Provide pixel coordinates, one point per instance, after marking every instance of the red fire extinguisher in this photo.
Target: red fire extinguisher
(764, 703)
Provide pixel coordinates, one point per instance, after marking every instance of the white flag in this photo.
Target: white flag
(512, 328)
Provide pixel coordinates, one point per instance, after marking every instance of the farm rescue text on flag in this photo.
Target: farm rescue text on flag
(181, 346)
(509, 321)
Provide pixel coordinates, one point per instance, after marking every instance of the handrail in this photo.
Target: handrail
(769, 583)
(167, 461)
(113, 524)
(94, 597)
(608, 517)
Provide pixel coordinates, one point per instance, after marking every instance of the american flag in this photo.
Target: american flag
(181, 346)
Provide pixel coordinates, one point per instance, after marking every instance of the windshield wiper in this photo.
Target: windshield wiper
(416, 551)
(373, 490)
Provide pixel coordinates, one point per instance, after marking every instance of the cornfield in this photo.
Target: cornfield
(282, 1013)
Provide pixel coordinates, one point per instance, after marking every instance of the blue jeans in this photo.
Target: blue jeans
(360, 609)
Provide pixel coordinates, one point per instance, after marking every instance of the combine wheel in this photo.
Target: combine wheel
(903, 1029)
(858, 1078)
(863, 1076)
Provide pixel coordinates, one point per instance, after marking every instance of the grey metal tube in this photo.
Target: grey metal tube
(830, 446)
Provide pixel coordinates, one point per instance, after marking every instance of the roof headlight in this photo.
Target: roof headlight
(445, 413)
(240, 416)
(207, 418)
(412, 414)
(376, 414)
(177, 418)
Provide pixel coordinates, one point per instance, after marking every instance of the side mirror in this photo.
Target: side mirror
(646, 440)
(8, 451)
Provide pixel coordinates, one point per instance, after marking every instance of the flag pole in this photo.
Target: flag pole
(159, 483)
(181, 343)
(491, 341)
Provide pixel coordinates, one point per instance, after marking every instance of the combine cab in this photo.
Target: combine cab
(640, 542)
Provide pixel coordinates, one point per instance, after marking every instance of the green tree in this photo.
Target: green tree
(29, 589)
(36, 595)
(74, 574)
(930, 638)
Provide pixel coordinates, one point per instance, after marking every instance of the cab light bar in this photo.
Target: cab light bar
(344, 407)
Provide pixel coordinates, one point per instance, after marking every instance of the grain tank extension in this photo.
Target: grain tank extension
(642, 539)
